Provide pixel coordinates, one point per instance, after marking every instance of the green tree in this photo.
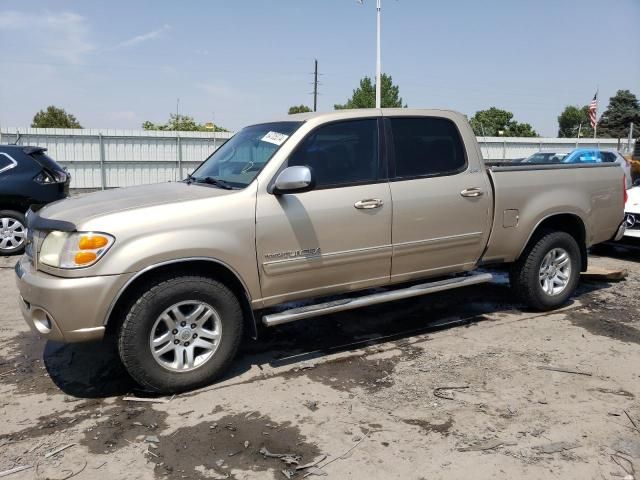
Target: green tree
(622, 110)
(571, 119)
(54, 117)
(299, 109)
(182, 123)
(495, 122)
(365, 95)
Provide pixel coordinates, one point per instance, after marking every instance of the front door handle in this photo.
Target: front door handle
(368, 204)
(472, 192)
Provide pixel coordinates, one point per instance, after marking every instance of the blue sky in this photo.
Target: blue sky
(115, 64)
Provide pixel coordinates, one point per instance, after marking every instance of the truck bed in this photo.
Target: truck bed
(526, 194)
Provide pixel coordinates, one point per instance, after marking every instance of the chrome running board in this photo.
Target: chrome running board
(309, 311)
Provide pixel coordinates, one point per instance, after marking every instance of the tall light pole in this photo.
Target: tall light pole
(378, 59)
(378, 54)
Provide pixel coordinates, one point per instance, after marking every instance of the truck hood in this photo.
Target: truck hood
(82, 208)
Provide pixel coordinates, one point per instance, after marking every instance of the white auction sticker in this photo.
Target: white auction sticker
(275, 138)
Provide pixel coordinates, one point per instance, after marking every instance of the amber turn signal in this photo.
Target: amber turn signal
(82, 258)
(92, 242)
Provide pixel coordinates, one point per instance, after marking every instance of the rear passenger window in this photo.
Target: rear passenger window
(341, 153)
(426, 147)
(6, 162)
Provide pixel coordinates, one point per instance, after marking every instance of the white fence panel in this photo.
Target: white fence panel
(118, 158)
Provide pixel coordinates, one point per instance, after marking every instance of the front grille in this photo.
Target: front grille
(632, 221)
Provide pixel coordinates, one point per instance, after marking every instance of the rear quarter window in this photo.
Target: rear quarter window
(46, 161)
(6, 162)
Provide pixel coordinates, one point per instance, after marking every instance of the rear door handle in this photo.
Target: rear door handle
(368, 204)
(472, 192)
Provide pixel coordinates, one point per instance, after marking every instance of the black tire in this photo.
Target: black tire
(135, 331)
(524, 275)
(20, 218)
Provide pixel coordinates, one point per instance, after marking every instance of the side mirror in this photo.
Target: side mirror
(637, 182)
(294, 180)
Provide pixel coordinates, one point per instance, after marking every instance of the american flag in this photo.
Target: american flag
(593, 110)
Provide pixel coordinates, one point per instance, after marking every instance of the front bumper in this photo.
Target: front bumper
(632, 221)
(66, 309)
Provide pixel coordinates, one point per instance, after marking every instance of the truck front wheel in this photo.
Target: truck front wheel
(547, 273)
(181, 334)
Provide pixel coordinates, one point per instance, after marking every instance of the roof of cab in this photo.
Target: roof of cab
(365, 112)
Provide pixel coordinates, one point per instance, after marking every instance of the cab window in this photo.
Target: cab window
(340, 153)
(426, 147)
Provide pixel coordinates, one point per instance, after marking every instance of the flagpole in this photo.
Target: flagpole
(378, 59)
(595, 125)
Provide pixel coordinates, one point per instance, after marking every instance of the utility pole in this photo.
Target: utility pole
(378, 59)
(315, 87)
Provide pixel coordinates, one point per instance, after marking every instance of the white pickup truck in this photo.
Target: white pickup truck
(308, 207)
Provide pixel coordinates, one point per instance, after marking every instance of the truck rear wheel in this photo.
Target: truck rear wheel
(181, 334)
(547, 273)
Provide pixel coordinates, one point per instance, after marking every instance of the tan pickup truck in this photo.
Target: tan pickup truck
(341, 210)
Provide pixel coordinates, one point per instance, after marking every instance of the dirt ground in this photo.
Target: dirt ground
(450, 386)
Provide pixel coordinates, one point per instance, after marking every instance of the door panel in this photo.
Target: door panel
(316, 243)
(336, 237)
(435, 229)
(441, 199)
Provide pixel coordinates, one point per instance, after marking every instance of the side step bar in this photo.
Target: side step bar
(308, 311)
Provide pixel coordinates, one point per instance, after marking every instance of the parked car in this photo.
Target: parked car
(28, 177)
(300, 210)
(632, 212)
(588, 155)
(545, 157)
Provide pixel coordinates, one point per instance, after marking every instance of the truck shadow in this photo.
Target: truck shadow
(626, 249)
(94, 370)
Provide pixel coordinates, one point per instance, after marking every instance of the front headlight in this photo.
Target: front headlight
(74, 250)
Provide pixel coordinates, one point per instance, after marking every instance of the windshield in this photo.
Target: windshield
(240, 159)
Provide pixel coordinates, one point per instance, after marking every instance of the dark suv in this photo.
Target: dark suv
(27, 177)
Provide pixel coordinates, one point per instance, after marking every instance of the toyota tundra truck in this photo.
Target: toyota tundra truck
(309, 215)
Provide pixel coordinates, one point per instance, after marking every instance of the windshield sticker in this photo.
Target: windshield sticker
(275, 138)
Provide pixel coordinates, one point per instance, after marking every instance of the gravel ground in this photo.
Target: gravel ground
(454, 385)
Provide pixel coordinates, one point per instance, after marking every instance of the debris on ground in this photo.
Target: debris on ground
(152, 439)
(11, 471)
(311, 405)
(486, 445)
(601, 274)
(439, 391)
(633, 422)
(321, 458)
(556, 447)
(564, 370)
(288, 458)
(146, 400)
(58, 450)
